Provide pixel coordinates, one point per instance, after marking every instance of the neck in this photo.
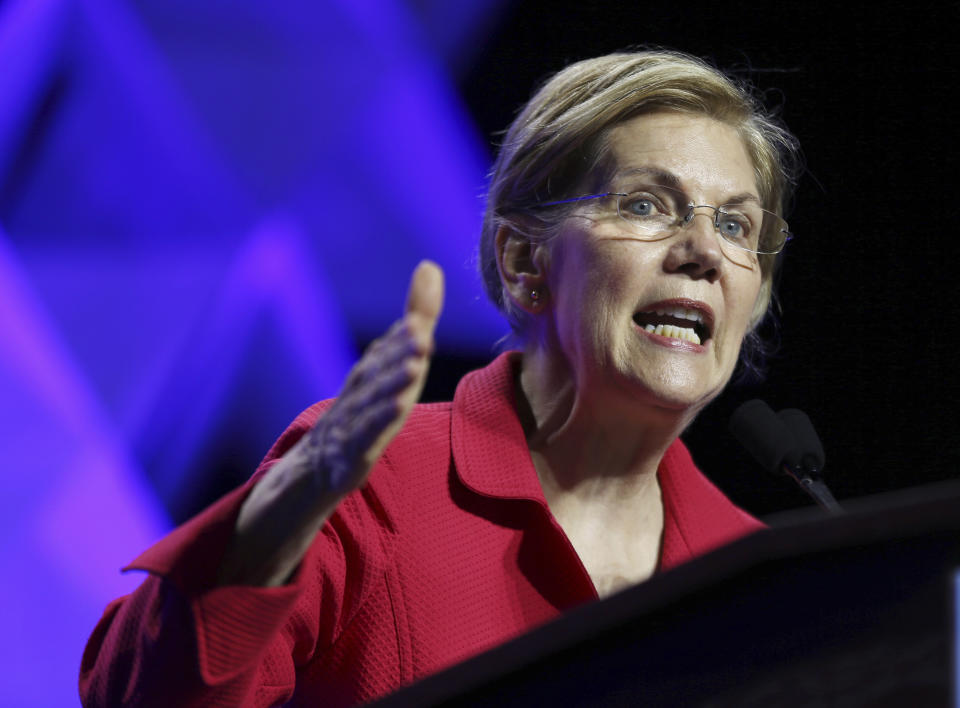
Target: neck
(591, 444)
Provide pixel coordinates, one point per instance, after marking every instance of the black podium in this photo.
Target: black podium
(853, 610)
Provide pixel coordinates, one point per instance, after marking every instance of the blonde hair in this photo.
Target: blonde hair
(556, 148)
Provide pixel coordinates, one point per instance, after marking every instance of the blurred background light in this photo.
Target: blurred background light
(206, 209)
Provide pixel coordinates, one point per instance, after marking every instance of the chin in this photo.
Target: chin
(680, 391)
(681, 401)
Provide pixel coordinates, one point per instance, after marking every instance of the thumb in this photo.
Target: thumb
(425, 297)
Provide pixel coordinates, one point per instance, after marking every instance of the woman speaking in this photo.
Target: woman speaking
(630, 239)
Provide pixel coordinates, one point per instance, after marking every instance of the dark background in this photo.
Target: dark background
(868, 287)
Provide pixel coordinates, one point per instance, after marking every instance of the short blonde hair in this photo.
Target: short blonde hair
(556, 148)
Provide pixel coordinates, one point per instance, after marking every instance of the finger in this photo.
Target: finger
(390, 382)
(338, 447)
(358, 428)
(393, 348)
(373, 431)
(384, 339)
(425, 297)
(383, 386)
(414, 331)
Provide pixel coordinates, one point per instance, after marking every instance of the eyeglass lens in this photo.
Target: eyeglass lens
(655, 211)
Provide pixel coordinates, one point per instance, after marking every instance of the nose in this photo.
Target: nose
(695, 248)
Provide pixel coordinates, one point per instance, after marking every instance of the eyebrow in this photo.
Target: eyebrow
(668, 179)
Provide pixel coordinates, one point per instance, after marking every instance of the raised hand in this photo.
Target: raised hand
(379, 393)
(286, 508)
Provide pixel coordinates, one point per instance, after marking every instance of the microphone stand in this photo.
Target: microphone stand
(810, 482)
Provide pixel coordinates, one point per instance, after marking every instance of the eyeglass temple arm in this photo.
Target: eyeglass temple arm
(583, 199)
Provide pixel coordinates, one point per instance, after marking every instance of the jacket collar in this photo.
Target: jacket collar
(490, 450)
(491, 458)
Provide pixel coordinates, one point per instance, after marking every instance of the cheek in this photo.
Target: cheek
(589, 283)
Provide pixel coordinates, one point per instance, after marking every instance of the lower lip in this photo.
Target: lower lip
(681, 345)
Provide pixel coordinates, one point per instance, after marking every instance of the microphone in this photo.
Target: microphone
(811, 455)
(764, 435)
(784, 443)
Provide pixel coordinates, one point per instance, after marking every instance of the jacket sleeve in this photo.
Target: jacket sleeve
(181, 640)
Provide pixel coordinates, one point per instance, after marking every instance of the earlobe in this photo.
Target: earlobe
(522, 266)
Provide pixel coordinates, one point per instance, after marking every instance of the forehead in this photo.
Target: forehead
(705, 155)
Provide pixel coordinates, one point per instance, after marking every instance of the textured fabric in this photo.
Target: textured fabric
(447, 551)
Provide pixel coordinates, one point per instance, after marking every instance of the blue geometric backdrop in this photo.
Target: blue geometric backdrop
(203, 207)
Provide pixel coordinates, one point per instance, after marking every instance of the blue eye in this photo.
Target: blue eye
(734, 227)
(642, 204)
(640, 207)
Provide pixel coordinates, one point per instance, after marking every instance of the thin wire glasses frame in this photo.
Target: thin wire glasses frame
(779, 228)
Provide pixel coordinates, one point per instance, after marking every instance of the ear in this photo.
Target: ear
(523, 269)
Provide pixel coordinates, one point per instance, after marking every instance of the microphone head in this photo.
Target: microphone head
(764, 435)
(806, 436)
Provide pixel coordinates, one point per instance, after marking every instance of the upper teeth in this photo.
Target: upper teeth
(675, 332)
(683, 313)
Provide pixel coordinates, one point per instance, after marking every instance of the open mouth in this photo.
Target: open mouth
(676, 322)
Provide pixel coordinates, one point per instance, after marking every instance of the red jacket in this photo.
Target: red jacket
(447, 551)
